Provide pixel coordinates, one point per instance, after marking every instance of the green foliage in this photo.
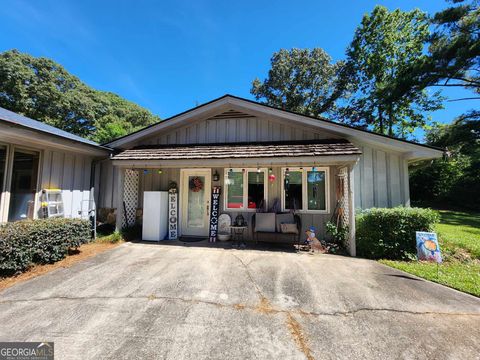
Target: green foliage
(454, 180)
(390, 233)
(43, 90)
(459, 238)
(383, 46)
(301, 80)
(453, 58)
(338, 233)
(113, 238)
(23, 243)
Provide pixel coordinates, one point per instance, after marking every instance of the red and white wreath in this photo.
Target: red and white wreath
(196, 184)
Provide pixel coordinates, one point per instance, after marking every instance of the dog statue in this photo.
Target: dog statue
(313, 242)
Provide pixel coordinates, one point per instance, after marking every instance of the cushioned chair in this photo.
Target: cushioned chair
(266, 227)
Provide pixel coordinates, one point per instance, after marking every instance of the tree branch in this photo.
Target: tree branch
(469, 98)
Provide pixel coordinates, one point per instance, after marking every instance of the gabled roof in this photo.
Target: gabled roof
(305, 148)
(417, 150)
(25, 122)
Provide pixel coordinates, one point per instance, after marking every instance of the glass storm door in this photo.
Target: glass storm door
(23, 186)
(196, 192)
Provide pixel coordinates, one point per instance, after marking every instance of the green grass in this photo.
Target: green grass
(459, 237)
(113, 238)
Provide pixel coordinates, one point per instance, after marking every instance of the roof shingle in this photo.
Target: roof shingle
(326, 147)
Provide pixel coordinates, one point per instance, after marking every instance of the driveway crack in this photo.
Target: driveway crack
(267, 308)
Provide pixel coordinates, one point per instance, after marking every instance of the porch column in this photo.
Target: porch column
(352, 249)
(120, 173)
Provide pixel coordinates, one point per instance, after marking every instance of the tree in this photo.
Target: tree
(43, 90)
(455, 179)
(383, 46)
(300, 80)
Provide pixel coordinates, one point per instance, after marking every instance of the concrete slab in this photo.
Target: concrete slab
(142, 301)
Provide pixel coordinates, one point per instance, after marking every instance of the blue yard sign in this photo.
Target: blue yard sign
(427, 247)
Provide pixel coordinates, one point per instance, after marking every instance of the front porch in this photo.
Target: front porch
(316, 188)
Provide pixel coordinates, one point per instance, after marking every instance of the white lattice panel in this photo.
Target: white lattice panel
(345, 200)
(130, 197)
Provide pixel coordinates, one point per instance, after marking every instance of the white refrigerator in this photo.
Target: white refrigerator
(155, 215)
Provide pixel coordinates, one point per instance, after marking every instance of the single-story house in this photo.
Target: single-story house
(262, 158)
(35, 156)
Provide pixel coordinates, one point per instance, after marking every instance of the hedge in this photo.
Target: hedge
(390, 233)
(28, 242)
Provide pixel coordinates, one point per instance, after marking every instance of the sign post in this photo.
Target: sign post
(172, 214)
(215, 208)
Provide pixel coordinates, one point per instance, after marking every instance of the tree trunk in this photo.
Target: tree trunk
(390, 121)
(380, 120)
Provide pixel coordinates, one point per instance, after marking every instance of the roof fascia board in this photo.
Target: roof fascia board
(24, 136)
(276, 161)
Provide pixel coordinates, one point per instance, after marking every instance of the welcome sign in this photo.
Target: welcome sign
(172, 214)
(215, 208)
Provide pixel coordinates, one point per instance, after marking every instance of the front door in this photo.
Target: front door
(196, 191)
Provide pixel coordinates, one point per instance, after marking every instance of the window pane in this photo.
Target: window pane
(256, 189)
(293, 190)
(24, 186)
(196, 203)
(235, 189)
(3, 159)
(316, 190)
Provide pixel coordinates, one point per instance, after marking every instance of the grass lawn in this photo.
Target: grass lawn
(459, 237)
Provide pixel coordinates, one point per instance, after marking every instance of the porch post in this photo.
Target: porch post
(120, 189)
(351, 208)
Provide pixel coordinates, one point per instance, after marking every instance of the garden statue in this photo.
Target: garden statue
(313, 242)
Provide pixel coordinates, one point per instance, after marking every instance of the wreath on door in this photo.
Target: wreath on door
(196, 184)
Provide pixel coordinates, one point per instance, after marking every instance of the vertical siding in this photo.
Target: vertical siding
(236, 130)
(69, 172)
(381, 179)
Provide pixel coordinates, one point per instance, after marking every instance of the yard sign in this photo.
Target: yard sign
(427, 247)
(214, 214)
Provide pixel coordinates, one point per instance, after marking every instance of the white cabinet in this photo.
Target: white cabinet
(155, 215)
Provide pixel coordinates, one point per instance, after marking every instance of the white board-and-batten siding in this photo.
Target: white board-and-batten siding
(69, 172)
(380, 179)
(248, 129)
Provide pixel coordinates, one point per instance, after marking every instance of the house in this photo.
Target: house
(262, 158)
(34, 157)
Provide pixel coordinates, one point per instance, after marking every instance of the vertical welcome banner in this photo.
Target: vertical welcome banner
(215, 208)
(172, 214)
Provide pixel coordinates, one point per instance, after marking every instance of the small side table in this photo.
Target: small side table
(238, 233)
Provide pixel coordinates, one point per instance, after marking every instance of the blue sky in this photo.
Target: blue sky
(171, 55)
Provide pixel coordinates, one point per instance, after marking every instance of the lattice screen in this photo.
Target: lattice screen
(130, 197)
(344, 202)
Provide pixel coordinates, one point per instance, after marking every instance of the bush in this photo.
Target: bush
(23, 243)
(390, 233)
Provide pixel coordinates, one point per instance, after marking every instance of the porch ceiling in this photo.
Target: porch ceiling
(284, 149)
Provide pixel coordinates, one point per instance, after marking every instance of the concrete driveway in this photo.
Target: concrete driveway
(142, 301)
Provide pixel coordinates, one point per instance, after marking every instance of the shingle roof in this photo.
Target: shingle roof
(17, 119)
(325, 147)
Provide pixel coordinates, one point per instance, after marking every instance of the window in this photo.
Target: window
(305, 189)
(245, 188)
(23, 187)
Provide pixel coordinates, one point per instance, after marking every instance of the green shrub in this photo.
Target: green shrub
(390, 233)
(23, 243)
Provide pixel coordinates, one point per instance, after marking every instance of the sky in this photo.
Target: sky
(169, 56)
